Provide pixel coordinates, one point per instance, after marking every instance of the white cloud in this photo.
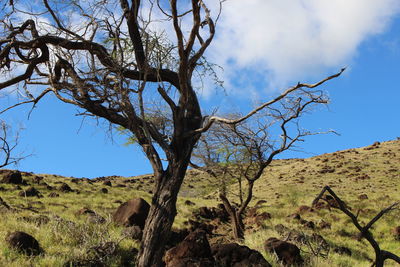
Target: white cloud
(292, 40)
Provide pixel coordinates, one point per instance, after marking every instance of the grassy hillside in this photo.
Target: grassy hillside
(70, 238)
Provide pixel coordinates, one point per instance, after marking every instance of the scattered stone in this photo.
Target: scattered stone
(363, 196)
(75, 180)
(107, 183)
(24, 243)
(30, 192)
(176, 237)
(309, 224)
(304, 209)
(12, 177)
(133, 232)
(287, 252)
(294, 216)
(104, 190)
(189, 203)
(342, 251)
(132, 212)
(236, 255)
(194, 250)
(95, 218)
(65, 188)
(324, 225)
(83, 211)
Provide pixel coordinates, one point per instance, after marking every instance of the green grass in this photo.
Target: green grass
(285, 185)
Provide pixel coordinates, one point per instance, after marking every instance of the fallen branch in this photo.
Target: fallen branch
(380, 255)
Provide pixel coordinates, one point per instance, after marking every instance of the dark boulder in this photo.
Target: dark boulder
(24, 243)
(37, 179)
(342, 251)
(189, 203)
(107, 183)
(287, 252)
(12, 177)
(65, 188)
(194, 250)
(30, 192)
(176, 236)
(238, 256)
(133, 232)
(104, 190)
(132, 212)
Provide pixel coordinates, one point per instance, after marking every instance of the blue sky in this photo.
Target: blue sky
(365, 99)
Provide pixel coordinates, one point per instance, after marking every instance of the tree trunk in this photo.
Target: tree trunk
(237, 226)
(161, 217)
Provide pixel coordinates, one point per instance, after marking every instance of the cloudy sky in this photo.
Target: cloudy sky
(263, 47)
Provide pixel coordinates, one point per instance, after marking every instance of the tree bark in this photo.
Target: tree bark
(161, 216)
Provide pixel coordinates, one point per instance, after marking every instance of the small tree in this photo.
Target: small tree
(239, 153)
(7, 146)
(114, 65)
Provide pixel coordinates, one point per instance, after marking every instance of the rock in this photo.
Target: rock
(85, 211)
(53, 194)
(176, 237)
(30, 192)
(396, 233)
(37, 179)
(65, 188)
(104, 190)
(304, 209)
(189, 203)
(324, 225)
(294, 216)
(342, 250)
(287, 252)
(107, 183)
(24, 243)
(133, 232)
(212, 213)
(236, 255)
(95, 218)
(363, 196)
(194, 250)
(309, 224)
(12, 177)
(132, 212)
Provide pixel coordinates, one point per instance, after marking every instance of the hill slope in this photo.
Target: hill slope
(66, 236)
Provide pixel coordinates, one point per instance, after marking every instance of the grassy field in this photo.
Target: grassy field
(69, 239)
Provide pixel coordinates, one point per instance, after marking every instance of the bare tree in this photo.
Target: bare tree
(8, 143)
(114, 64)
(380, 255)
(238, 154)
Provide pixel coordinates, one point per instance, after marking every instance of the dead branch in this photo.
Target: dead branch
(380, 255)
